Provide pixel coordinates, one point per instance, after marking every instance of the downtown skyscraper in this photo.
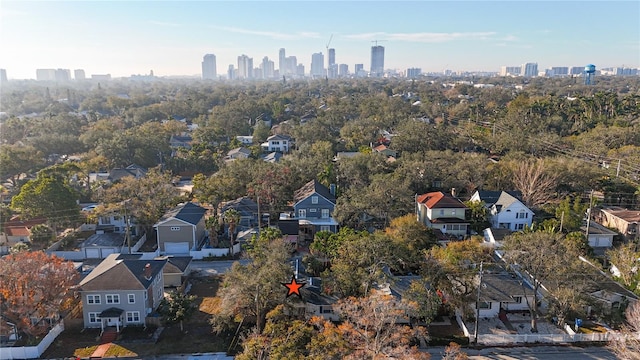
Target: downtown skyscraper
(209, 68)
(377, 61)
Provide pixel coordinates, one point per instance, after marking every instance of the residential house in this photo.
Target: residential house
(272, 157)
(117, 174)
(238, 153)
(444, 213)
(17, 231)
(506, 210)
(627, 222)
(181, 229)
(245, 140)
(314, 302)
(121, 291)
(384, 150)
(501, 290)
(313, 206)
(608, 293)
(247, 208)
(600, 238)
(180, 141)
(280, 143)
(176, 270)
(114, 222)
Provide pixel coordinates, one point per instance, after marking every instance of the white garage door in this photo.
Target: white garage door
(176, 248)
(92, 253)
(107, 252)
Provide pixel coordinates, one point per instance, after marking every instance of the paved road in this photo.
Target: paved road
(215, 267)
(534, 353)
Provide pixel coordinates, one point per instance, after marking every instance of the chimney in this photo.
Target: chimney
(332, 189)
(147, 271)
(453, 192)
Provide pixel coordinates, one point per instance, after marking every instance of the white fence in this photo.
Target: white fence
(503, 339)
(506, 339)
(213, 252)
(32, 352)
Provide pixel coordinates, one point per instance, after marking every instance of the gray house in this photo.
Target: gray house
(122, 290)
(181, 230)
(313, 206)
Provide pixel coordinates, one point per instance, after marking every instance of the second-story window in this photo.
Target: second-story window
(325, 213)
(112, 298)
(175, 228)
(314, 199)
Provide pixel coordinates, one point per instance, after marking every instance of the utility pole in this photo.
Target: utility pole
(561, 221)
(589, 214)
(126, 224)
(618, 169)
(475, 341)
(259, 216)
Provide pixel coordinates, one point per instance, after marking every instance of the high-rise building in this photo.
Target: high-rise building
(332, 67)
(576, 70)
(510, 70)
(3, 76)
(557, 71)
(46, 74)
(282, 62)
(291, 62)
(413, 72)
(79, 75)
(529, 70)
(343, 70)
(358, 68)
(300, 70)
(377, 61)
(268, 68)
(231, 72)
(209, 67)
(63, 75)
(245, 67)
(317, 65)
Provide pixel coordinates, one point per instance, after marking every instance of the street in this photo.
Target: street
(534, 353)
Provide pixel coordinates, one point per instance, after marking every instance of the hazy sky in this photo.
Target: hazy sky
(133, 37)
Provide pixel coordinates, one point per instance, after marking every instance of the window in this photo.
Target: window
(132, 298)
(441, 212)
(518, 299)
(112, 298)
(453, 212)
(94, 317)
(302, 213)
(314, 199)
(325, 228)
(484, 305)
(175, 228)
(519, 226)
(313, 210)
(522, 215)
(133, 316)
(93, 299)
(275, 142)
(325, 213)
(105, 220)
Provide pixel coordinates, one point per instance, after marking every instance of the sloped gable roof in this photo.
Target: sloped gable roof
(311, 187)
(117, 272)
(505, 200)
(279, 137)
(491, 197)
(439, 199)
(187, 212)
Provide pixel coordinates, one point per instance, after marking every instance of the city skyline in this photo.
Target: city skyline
(125, 38)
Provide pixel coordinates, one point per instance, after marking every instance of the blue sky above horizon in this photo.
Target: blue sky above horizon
(170, 38)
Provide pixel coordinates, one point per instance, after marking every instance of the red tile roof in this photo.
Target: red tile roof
(439, 199)
(17, 231)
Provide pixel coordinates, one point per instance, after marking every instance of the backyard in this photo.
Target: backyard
(133, 341)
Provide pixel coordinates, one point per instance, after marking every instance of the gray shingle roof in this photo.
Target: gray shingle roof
(117, 272)
(491, 197)
(311, 187)
(188, 212)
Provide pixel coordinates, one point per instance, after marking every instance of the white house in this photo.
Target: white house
(505, 209)
(600, 238)
(502, 291)
(280, 143)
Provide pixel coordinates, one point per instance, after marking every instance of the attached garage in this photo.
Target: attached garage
(176, 247)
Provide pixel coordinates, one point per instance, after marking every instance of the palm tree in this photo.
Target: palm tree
(231, 218)
(212, 224)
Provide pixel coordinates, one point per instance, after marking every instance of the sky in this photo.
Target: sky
(122, 38)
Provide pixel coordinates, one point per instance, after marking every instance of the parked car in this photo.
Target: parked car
(89, 208)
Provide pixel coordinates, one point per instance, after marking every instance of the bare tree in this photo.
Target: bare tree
(627, 344)
(535, 183)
